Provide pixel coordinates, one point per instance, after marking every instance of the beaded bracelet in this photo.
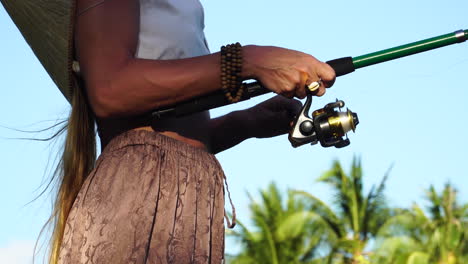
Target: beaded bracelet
(231, 69)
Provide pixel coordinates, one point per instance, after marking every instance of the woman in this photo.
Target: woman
(156, 193)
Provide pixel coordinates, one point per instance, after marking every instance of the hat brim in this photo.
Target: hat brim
(47, 26)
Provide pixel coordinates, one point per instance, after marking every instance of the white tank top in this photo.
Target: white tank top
(171, 29)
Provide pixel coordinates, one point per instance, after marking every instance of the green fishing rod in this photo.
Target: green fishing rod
(327, 125)
(347, 65)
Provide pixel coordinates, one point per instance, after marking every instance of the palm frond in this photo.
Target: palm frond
(270, 241)
(374, 210)
(325, 212)
(294, 224)
(435, 204)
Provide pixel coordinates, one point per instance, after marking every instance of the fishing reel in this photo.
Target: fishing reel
(328, 125)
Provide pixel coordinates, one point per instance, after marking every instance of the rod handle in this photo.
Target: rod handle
(342, 66)
(208, 101)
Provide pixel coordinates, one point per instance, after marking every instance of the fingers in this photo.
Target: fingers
(280, 104)
(300, 83)
(315, 85)
(294, 108)
(309, 82)
(300, 89)
(326, 77)
(295, 85)
(287, 110)
(327, 74)
(291, 106)
(289, 73)
(289, 94)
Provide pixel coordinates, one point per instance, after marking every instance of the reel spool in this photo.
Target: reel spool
(327, 125)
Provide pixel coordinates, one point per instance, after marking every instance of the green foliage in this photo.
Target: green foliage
(283, 232)
(441, 236)
(356, 228)
(358, 217)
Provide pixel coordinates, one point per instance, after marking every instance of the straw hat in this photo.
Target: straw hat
(47, 26)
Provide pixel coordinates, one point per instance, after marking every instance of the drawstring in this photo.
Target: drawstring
(230, 224)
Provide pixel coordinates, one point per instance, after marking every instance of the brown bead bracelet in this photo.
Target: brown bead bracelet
(231, 69)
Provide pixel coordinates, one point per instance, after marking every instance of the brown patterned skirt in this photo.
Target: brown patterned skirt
(150, 199)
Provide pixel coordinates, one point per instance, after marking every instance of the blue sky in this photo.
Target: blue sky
(412, 111)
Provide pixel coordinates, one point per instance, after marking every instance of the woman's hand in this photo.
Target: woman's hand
(272, 117)
(268, 119)
(286, 72)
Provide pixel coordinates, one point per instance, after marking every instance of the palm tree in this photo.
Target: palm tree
(357, 218)
(439, 236)
(282, 232)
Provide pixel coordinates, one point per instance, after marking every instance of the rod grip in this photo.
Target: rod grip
(207, 102)
(342, 66)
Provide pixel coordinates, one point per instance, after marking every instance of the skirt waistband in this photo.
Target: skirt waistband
(145, 137)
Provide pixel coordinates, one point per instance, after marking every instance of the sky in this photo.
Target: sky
(412, 111)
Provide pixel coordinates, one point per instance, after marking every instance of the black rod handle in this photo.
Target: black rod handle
(342, 66)
(207, 102)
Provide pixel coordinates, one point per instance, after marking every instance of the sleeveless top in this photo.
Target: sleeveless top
(171, 29)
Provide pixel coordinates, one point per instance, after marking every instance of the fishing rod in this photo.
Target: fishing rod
(328, 125)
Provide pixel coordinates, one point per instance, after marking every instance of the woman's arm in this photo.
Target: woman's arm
(268, 119)
(118, 84)
(229, 130)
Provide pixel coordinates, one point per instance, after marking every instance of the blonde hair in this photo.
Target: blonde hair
(77, 161)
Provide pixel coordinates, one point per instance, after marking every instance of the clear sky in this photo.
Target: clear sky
(412, 111)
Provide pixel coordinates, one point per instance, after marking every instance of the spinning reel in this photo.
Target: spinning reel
(327, 125)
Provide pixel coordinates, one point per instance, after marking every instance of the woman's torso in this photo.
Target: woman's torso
(169, 29)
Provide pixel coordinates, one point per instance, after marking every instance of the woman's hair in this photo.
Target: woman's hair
(78, 159)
